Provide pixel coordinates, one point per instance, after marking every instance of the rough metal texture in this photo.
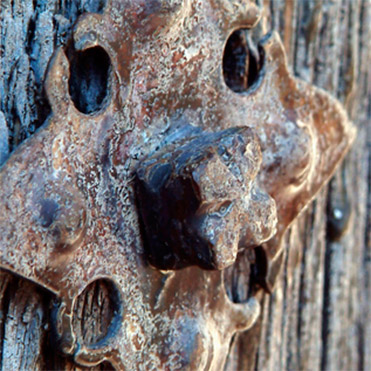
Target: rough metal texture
(199, 200)
(69, 194)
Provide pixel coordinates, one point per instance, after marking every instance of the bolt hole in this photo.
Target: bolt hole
(247, 275)
(99, 303)
(242, 62)
(89, 83)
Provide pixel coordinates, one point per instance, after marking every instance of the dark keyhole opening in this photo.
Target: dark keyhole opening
(242, 62)
(89, 82)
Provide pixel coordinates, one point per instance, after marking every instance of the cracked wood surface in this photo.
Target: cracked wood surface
(318, 317)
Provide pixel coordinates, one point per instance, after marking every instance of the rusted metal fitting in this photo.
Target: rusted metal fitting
(199, 200)
(159, 178)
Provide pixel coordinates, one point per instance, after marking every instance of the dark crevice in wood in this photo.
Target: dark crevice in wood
(305, 23)
(309, 225)
(232, 344)
(11, 288)
(76, 8)
(364, 88)
(7, 286)
(296, 41)
(46, 298)
(361, 346)
(30, 35)
(272, 14)
(326, 302)
(254, 364)
(319, 59)
(301, 300)
(366, 256)
(48, 343)
(285, 285)
(363, 337)
(347, 77)
(270, 318)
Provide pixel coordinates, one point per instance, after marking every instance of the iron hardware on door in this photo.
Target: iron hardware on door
(156, 181)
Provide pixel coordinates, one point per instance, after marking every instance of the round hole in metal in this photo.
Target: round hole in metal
(242, 62)
(89, 83)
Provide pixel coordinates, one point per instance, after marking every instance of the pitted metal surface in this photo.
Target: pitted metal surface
(159, 187)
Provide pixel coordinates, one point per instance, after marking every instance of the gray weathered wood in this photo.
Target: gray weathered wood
(319, 314)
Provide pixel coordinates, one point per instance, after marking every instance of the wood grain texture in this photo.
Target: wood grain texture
(319, 314)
